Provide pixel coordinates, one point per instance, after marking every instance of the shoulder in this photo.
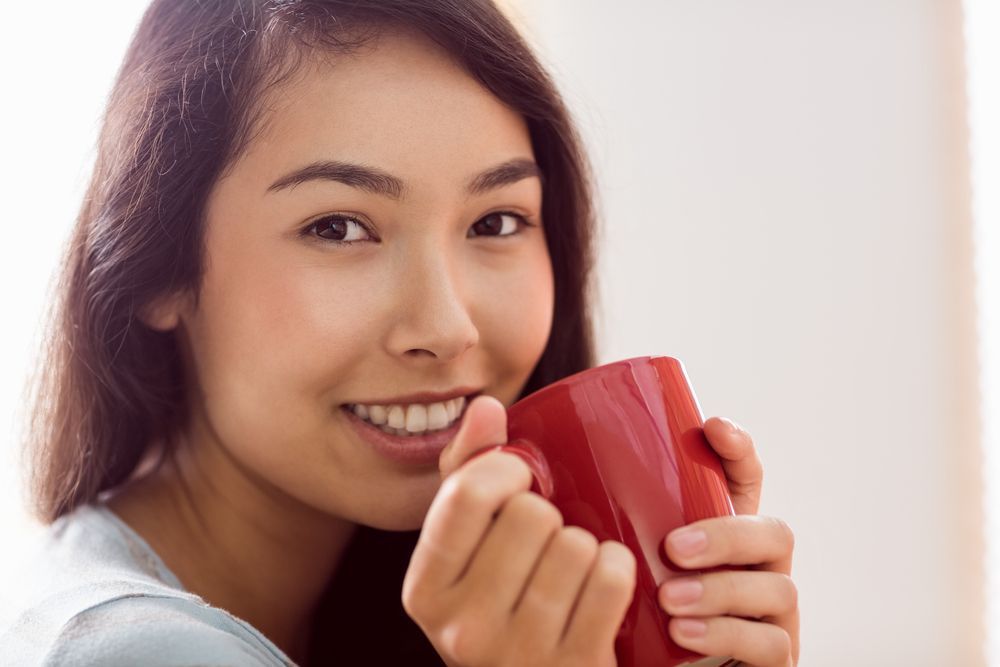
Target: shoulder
(123, 623)
(94, 593)
(88, 546)
(159, 631)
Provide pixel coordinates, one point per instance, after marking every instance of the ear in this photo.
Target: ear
(164, 313)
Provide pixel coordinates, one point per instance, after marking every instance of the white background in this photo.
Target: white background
(787, 208)
(58, 65)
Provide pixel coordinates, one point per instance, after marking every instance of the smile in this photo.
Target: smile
(411, 419)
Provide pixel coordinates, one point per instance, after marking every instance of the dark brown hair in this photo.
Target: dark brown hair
(185, 103)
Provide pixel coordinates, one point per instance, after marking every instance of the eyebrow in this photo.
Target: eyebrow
(376, 181)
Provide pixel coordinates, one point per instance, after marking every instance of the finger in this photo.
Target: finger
(460, 515)
(752, 642)
(484, 424)
(502, 565)
(740, 462)
(543, 610)
(751, 594)
(764, 542)
(604, 600)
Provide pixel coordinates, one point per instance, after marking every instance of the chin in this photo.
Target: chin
(400, 511)
(412, 518)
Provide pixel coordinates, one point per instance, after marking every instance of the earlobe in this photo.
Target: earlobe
(164, 313)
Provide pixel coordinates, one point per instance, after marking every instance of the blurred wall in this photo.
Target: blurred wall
(786, 209)
(56, 71)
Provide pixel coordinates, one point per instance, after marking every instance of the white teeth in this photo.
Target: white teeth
(416, 419)
(397, 418)
(377, 414)
(437, 416)
(411, 419)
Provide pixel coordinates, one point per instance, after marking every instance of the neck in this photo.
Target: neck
(238, 543)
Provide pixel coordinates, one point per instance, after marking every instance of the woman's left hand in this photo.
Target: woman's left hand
(750, 614)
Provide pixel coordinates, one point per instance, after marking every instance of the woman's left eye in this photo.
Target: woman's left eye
(501, 223)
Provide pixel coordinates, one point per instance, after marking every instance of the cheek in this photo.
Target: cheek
(517, 320)
(273, 336)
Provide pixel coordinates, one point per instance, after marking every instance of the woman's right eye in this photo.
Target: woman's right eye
(339, 229)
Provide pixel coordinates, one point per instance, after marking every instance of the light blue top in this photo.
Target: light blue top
(95, 593)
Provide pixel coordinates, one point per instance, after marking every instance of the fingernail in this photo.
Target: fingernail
(689, 542)
(733, 426)
(690, 627)
(684, 591)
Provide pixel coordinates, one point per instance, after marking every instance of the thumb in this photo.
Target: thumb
(483, 425)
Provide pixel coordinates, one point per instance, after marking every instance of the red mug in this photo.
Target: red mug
(620, 451)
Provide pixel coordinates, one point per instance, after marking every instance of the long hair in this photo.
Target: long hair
(185, 103)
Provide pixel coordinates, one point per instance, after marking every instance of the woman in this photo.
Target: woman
(323, 241)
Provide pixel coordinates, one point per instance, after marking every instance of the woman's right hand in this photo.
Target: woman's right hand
(496, 578)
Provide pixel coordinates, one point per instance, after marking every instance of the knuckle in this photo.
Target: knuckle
(779, 645)
(546, 513)
(479, 485)
(512, 462)
(463, 641)
(621, 553)
(411, 605)
(576, 544)
(786, 532)
(533, 508)
(465, 493)
(615, 566)
(791, 593)
(417, 603)
(415, 607)
(499, 464)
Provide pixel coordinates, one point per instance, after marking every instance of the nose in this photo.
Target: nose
(433, 315)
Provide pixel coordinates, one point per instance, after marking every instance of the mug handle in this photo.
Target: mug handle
(528, 452)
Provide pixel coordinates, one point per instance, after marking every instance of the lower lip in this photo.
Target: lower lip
(416, 450)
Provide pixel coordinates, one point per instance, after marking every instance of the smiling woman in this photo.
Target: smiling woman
(316, 230)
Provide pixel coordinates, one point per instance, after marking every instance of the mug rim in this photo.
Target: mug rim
(602, 368)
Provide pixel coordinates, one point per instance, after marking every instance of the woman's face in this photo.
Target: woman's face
(435, 292)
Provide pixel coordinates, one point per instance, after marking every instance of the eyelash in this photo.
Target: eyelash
(307, 230)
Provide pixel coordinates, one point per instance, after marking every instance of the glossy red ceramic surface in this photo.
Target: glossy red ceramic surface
(620, 450)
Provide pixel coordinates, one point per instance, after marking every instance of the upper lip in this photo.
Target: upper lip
(422, 397)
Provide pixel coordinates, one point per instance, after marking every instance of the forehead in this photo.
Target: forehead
(400, 103)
